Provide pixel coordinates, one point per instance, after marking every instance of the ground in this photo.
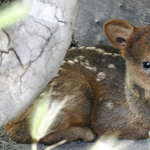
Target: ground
(8, 144)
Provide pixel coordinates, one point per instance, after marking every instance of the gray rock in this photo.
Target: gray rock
(31, 52)
(94, 13)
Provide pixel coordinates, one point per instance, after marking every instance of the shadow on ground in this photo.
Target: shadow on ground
(7, 144)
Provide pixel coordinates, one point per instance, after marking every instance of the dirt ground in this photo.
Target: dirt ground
(7, 144)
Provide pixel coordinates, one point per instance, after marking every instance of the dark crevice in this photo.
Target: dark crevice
(60, 20)
(47, 41)
(11, 49)
(7, 36)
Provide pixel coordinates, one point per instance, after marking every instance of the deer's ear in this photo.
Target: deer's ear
(118, 32)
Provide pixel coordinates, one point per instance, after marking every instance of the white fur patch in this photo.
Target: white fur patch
(82, 47)
(70, 62)
(100, 50)
(114, 55)
(111, 66)
(81, 63)
(100, 76)
(81, 57)
(87, 65)
(87, 62)
(76, 60)
(106, 53)
(63, 62)
(53, 83)
(91, 68)
(72, 48)
(109, 105)
(57, 74)
(60, 68)
(90, 48)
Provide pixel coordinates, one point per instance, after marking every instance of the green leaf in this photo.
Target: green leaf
(13, 13)
(44, 115)
(37, 117)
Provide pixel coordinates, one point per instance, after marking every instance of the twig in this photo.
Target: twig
(55, 145)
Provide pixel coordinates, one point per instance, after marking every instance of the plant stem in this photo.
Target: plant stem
(34, 145)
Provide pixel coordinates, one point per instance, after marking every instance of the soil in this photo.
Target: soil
(7, 144)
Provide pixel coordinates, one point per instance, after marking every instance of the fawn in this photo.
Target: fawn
(109, 90)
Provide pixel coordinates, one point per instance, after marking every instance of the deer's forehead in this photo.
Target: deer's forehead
(143, 44)
(142, 36)
(139, 50)
(146, 37)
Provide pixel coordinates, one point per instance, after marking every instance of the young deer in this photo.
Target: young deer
(107, 94)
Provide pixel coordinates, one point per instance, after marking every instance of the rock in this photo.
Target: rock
(31, 52)
(94, 13)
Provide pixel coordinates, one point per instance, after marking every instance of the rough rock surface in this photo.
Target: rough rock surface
(94, 13)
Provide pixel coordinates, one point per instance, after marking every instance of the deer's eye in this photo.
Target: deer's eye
(146, 64)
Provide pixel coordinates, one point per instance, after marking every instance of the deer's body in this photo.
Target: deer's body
(107, 94)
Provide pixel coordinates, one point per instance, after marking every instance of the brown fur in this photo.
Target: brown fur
(109, 90)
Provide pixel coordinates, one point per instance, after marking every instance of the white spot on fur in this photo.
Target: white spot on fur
(76, 60)
(72, 48)
(53, 83)
(98, 80)
(91, 48)
(114, 55)
(81, 57)
(82, 47)
(106, 53)
(109, 105)
(147, 95)
(87, 62)
(100, 76)
(87, 65)
(100, 50)
(61, 68)
(111, 66)
(63, 62)
(57, 74)
(70, 62)
(81, 63)
(91, 68)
